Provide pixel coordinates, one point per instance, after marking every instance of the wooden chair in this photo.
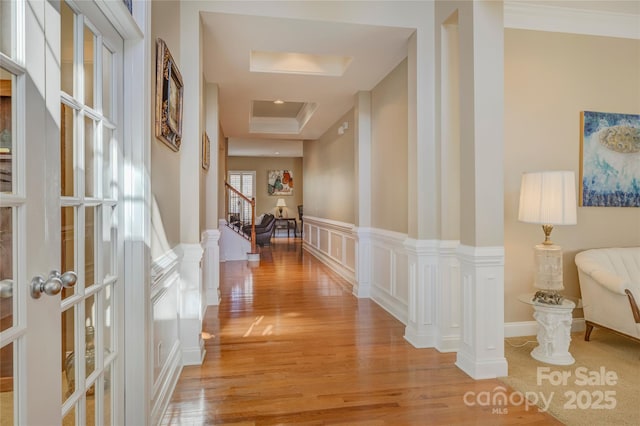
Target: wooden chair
(300, 219)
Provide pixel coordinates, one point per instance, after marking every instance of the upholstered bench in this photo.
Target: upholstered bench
(610, 287)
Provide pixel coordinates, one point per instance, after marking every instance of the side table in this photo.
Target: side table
(287, 222)
(554, 330)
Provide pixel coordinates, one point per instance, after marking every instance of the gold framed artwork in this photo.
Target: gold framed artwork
(169, 92)
(206, 151)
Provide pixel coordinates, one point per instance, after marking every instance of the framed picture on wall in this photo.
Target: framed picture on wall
(280, 182)
(206, 151)
(169, 90)
(609, 159)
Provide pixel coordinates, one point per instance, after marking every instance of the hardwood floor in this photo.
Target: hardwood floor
(290, 344)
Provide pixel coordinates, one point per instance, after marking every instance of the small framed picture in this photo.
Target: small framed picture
(206, 151)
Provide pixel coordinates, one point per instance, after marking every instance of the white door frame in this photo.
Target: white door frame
(135, 29)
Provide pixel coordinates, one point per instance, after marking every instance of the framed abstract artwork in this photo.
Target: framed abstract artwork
(169, 89)
(609, 159)
(280, 182)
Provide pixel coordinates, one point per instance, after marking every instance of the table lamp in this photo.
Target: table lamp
(280, 205)
(548, 198)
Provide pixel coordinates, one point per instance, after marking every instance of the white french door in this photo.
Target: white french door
(60, 206)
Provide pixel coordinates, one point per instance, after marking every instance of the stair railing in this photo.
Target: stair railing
(240, 211)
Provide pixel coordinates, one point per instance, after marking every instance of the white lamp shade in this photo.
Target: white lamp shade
(548, 198)
(281, 203)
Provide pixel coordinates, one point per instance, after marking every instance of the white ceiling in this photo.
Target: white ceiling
(229, 40)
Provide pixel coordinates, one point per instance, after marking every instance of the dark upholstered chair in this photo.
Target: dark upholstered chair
(300, 219)
(264, 231)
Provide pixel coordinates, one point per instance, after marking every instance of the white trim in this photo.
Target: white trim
(164, 296)
(163, 391)
(119, 16)
(335, 256)
(331, 224)
(362, 287)
(233, 246)
(190, 304)
(530, 328)
(162, 267)
(166, 383)
(136, 361)
(481, 353)
(388, 283)
(448, 305)
(530, 16)
(211, 266)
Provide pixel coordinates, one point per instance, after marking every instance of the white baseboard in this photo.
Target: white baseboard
(530, 328)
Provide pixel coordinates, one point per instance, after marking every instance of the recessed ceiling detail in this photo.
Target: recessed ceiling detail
(298, 63)
(284, 118)
(272, 109)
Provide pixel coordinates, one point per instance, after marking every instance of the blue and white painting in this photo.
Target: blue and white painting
(610, 173)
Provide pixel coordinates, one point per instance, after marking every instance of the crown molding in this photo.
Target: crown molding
(530, 16)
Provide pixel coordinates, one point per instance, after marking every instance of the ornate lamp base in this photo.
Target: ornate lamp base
(554, 333)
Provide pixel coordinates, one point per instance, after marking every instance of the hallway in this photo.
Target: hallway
(290, 344)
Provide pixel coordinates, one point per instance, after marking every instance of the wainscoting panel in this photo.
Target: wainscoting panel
(332, 242)
(401, 282)
(382, 277)
(390, 274)
(324, 240)
(349, 252)
(165, 353)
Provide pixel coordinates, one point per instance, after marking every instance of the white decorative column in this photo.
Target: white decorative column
(481, 353)
(448, 297)
(211, 266)
(422, 256)
(554, 333)
(362, 166)
(190, 304)
(362, 287)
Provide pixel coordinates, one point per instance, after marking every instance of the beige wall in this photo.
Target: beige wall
(165, 163)
(329, 190)
(266, 203)
(389, 143)
(549, 79)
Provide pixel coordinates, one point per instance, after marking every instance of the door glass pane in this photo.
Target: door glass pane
(70, 418)
(89, 248)
(68, 350)
(67, 19)
(68, 246)
(89, 144)
(107, 63)
(66, 151)
(6, 269)
(7, 30)
(89, 61)
(89, 335)
(7, 136)
(108, 379)
(109, 234)
(108, 320)
(8, 390)
(108, 181)
(91, 404)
